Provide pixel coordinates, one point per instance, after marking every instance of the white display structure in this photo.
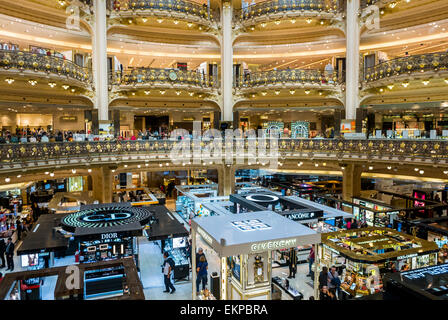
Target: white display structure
(251, 238)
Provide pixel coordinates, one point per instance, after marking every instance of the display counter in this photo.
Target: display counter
(364, 255)
(287, 291)
(244, 243)
(376, 217)
(176, 247)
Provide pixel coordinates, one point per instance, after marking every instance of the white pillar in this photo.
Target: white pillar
(99, 60)
(193, 263)
(227, 62)
(352, 35)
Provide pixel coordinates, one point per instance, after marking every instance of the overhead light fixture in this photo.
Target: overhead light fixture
(62, 2)
(52, 84)
(162, 91)
(252, 28)
(147, 92)
(253, 95)
(309, 20)
(7, 179)
(9, 80)
(73, 171)
(405, 84)
(159, 20)
(415, 169)
(381, 90)
(264, 93)
(65, 86)
(32, 82)
(19, 176)
(89, 170)
(72, 89)
(392, 5)
(370, 168)
(178, 93)
(139, 166)
(425, 82)
(421, 172)
(390, 86)
(133, 93)
(52, 174)
(277, 92)
(277, 22)
(191, 93)
(321, 22)
(144, 19)
(307, 91)
(176, 21)
(189, 25)
(292, 91)
(316, 165)
(445, 172)
(125, 165)
(113, 170)
(389, 167)
(263, 25)
(47, 172)
(130, 21)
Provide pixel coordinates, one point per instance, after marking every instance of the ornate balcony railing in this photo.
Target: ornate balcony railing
(178, 6)
(19, 154)
(277, 6)
(154, 76)
(21, 61)
(420, 63)
(296, 76)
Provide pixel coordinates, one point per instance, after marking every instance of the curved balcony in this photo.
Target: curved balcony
(431, 64)
(163, 78)
(278, 9)
(40, 64)
(44, 155)
(306, 78)
(176, 9)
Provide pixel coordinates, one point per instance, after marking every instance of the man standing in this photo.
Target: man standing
(10, 255)
(168, 266)
(199, 254)
(2, 252)
(334, 282)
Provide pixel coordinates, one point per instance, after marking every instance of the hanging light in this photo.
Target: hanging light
(162, 91)
(52, 84)
(277, 92)
(292, 91)
(176, 21)
(73, 171)
(307, 91)
(147, 92)
(405, 84)
(7, 180)
(32, 82)
(89, 170)
(9, 80)
(19, 176)
(263, 93)
(263, 25)
(293, 20)
(425, 82)
(178, 93)
(390, 86)
(277, 22)
(144, 19)
(421, 172)
(309, 20)
(65, 86)
(52, 174)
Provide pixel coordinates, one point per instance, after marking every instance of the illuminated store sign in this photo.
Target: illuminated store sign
(271, 245)
(112, 235)
(250, 225)
(372, 241)
(106, 217)
(300, 216)
(422, 273)
(205, 236)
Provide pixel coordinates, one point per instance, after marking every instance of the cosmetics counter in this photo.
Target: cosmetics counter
(285, 289)
(246, 254)
(362, 256)
(177, 248)
(374, 217)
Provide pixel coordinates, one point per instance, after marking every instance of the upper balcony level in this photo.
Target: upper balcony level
(34, 65)
(277, 10)
(425, 65)
(289, 78)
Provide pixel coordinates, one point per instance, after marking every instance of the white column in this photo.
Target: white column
(193, 263)
(352, 35)
(99, 60)
(227, 62)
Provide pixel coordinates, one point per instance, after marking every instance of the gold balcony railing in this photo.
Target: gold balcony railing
(434, 150)
(21, 60)
(276, 6)
(420, 63)
(155, 76)
(296, 76)
(178, 6)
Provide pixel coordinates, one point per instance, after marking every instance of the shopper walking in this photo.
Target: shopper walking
(292, 263)
(10, 255)
(2, 252)
(201, 273)
(168, 267)
(311, 258)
